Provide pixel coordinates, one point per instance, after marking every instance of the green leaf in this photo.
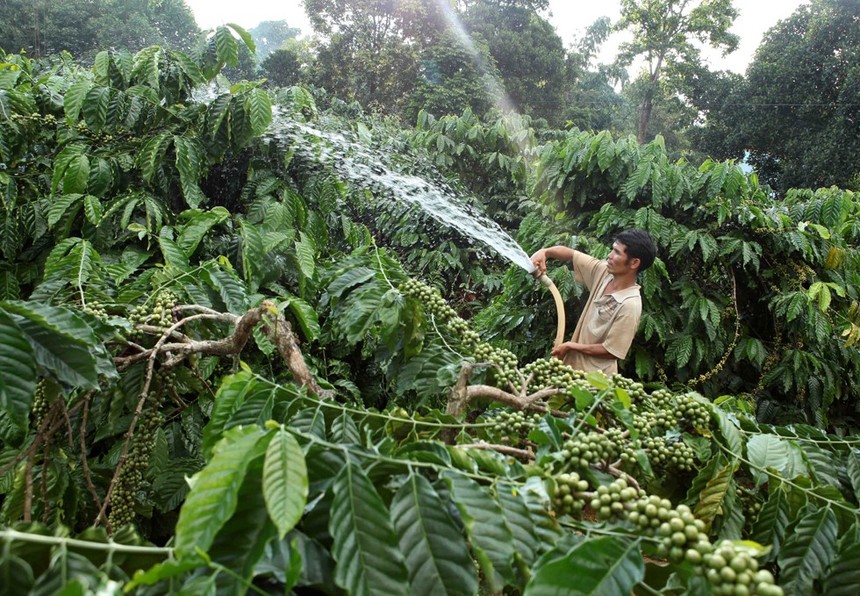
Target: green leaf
(62, 206)
(808, 551)
(437, 555)
(364, 542)
(231, 291)
(17, 372)
(190, 158)
(95, 108)
(242, 540)
(853, 469)
(245, 36)
(344, 430)
(772, 521)
(711, 498)
(306, 315)
(606, 565)
(152, 153)
(309, 421)
(162, 571)
(216, 113)
(226, 48)
(92, 209)
(729, 431)
(170, 250)
(519, 520)
(197, 225)
(305, 254)
(101, 65)
(769, 451)
(230, 396)
(189, 67)
(252, 251)
(214, 491)
(62, 343)
(101, 176)
(349, 279)
(285, 481)
(492, 542)
(259, 108)
(73, 100)
(77, 175)
(843, 577)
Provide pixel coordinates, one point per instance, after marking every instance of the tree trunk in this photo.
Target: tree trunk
(644, 118)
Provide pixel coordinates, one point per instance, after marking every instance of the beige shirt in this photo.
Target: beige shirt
(610, 320)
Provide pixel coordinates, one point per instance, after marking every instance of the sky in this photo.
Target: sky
(570, 18)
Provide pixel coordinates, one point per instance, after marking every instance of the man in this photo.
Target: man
(608, 324)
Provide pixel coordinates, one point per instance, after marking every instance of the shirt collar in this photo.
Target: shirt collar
(620, 295)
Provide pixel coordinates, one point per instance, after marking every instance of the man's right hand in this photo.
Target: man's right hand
(539, 261)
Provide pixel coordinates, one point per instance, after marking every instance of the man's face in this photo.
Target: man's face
(618, 261)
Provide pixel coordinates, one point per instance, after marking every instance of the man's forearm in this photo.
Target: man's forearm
(559, 253)
(596, 350)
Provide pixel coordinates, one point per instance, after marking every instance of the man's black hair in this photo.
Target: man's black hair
(638, 245)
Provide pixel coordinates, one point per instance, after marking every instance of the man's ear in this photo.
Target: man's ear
(635, 262)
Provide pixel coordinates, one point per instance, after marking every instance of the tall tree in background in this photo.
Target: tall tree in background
(289, 65)
(528, 52)
(452, 77)
(368, 50)
(663, 34)
(591, 101)
(271, 36)
(81, 27)
(801, 109)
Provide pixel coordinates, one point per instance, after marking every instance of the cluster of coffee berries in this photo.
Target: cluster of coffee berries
(620, 439)
(430, 298)
(567, 496)
(124, 494)
(96, 309)
(41, 403)
(634, 389)
(668, 454)
(550, 372)
(157, 312)
(650, 421)
(693, 413)
(614, 500)
(504, 363)
(731, 570)
(445, 317)
(586, 449)
(512, 428)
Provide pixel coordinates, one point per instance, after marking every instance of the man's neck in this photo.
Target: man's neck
(622, 282)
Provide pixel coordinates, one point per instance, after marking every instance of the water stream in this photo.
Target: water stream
(356, 163)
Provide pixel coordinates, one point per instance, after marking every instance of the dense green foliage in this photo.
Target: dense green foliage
(220, 371)
(797, 110)
(82, 27)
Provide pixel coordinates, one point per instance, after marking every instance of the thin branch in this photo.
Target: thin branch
(521, 454)
(613, 471)
(28, 487)
(70, 434)
(9, 535)
(88, 477)
(44, 484)
(280, 332)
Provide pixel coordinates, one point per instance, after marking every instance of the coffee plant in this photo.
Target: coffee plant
(229, 364)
